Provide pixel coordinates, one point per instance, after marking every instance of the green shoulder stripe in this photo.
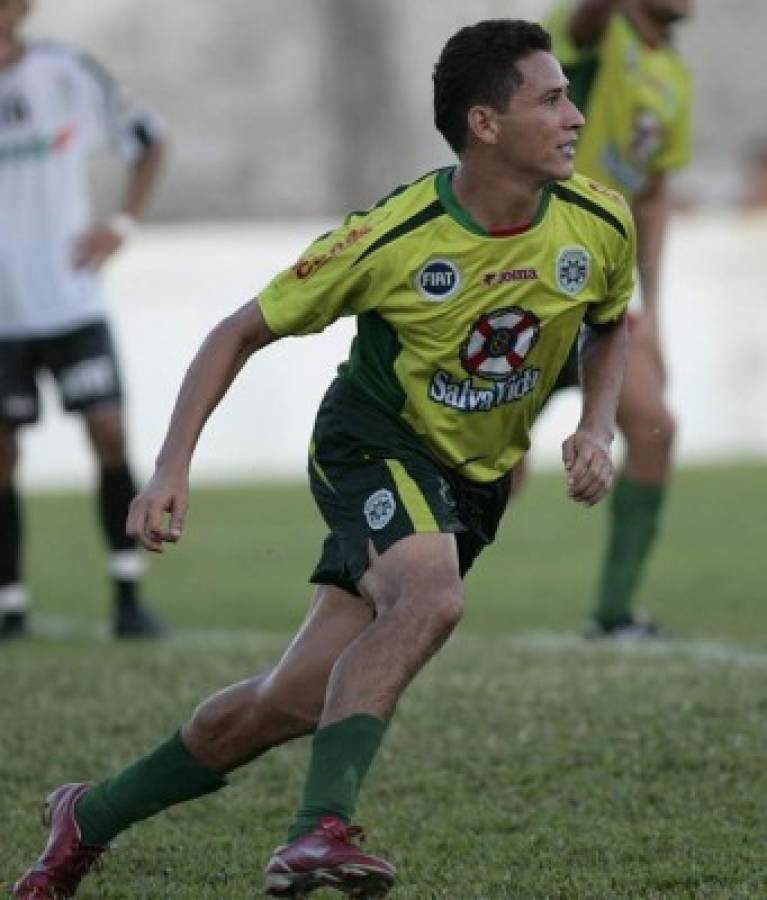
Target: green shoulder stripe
(568, 196)
(390, 196)
(432, 211)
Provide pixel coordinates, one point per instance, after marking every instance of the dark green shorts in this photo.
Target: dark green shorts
(374, 480)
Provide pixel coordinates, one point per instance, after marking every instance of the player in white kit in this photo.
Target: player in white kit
(56, 107)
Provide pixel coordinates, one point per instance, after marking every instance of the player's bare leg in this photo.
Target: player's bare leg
(244, 720)
(416, 589)
(645, 421)
(13, 594)
(106, 433)
(648, 427)
(418, 594)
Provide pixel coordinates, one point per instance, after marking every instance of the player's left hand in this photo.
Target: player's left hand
(96, 246)
(589, 468)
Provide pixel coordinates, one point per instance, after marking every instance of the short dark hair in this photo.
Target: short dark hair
(478, 66)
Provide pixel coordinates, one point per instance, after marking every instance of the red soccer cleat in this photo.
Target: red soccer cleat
(65, 861)
(326, 857)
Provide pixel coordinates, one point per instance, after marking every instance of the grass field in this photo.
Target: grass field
(524, 763)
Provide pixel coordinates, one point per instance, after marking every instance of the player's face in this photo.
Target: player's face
(11, 14)
(539, 128)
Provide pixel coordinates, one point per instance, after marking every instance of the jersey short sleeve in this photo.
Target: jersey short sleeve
(331, 279)
(677, 146)
(619, 272)
(109, 115)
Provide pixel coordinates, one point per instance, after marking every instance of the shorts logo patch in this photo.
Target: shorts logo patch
(89, 378)
(438, 280)
(573, 269)
(379, 509)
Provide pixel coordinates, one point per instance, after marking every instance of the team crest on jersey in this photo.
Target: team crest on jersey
(438, 280)
(379, 509)
(499, 343)
(573, 269)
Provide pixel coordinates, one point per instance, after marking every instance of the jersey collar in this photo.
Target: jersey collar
(444, 186)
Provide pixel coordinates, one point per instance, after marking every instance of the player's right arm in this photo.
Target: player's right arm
(323, 285)
(589, 19)
(157, 514)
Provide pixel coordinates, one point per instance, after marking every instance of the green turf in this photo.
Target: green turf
(518, 766)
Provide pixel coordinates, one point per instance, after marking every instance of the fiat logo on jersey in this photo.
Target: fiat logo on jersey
(499, 343)
(438, 280)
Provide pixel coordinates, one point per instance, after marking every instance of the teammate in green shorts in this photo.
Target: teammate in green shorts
(628, 80)
(469, 286)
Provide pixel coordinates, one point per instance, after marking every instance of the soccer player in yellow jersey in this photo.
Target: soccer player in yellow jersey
(634, 91)
(469, 286)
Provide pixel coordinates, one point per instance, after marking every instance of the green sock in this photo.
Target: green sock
(341, 755)
(167, 775)
(634, 514)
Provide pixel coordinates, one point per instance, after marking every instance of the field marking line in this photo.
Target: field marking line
(551, 642)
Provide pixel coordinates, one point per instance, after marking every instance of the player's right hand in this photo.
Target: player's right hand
(589, 468)
(156, 515)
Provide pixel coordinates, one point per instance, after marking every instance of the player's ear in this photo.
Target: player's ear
(483, 124)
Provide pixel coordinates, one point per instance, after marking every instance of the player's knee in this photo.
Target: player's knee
(654, 433)
(283, 703)
(441, 610)
(219, 715)
(663, 432)
(667, 429)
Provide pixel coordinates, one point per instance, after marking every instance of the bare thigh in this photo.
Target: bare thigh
(417, 591)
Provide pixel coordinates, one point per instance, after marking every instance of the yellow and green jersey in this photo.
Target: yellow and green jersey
(461, 333)
(636, 100)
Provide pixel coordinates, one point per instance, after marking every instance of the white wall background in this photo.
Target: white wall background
(313, 107)
(172, 284)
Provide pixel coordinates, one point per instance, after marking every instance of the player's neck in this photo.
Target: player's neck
(11, 51)
(653, 31)
(495, 203)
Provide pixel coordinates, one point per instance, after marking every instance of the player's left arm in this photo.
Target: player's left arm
(652, 209)
(586, 453)
(106, 238)
(110, 115)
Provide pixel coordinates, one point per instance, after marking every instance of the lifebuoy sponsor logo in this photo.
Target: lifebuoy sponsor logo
(305, 268)
(499, 341)
(495, 351)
